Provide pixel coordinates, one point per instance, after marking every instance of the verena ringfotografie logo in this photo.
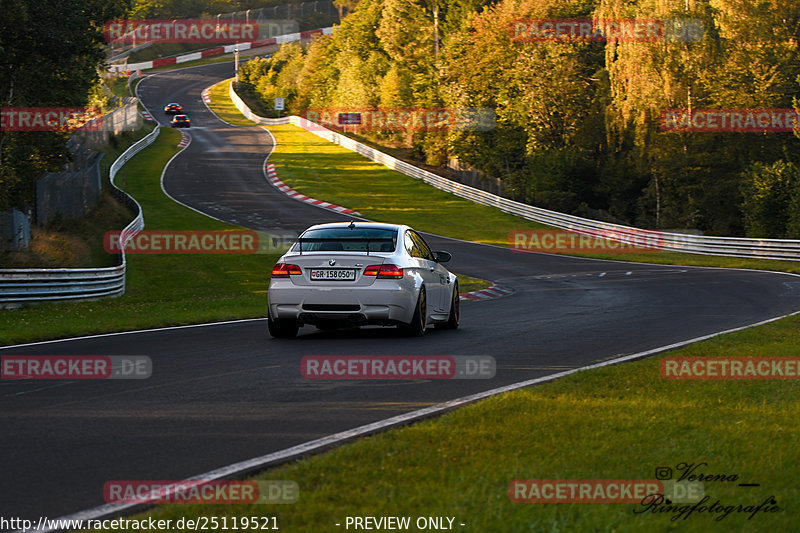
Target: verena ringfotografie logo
(730, 120)
(403, 119)
(50, 118)
(730, 368)
(75, 367)
(604, 30)
(599, 242)
(201, 492)
(180, 31)
(398, 367)
(692, 479)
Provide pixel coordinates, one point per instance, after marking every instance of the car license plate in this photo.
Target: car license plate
(333, 274)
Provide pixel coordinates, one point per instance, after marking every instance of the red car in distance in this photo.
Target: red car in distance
(173, 109)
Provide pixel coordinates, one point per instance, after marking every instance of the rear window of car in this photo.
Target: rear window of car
(347, 240)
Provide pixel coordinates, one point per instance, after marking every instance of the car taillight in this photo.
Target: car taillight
(284, 270)
(386, 271)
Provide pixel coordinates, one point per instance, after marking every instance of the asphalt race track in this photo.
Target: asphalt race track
(228, 392)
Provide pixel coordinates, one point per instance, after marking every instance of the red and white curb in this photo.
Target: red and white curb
(147, 116)
(185, 138)
(226, 49)
(272, 176)
(206, 97)
(495, 291)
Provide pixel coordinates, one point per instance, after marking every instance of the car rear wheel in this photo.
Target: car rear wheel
(282, 328)
(416, 328)
(455, 311)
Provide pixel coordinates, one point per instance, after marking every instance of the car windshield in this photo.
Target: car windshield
(347, 240)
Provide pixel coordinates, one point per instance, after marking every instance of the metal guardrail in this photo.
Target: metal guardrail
(782, 249)
(18, 286)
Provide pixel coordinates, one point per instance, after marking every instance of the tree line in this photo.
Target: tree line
(578, 123)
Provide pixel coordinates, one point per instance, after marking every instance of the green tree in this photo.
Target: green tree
(771, 197)
(548, 101)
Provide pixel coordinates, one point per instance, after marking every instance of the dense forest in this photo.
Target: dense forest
(577, 122)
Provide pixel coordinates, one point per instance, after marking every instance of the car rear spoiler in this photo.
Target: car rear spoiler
(367, 240)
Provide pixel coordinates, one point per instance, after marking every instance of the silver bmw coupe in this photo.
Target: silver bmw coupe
(362, 273)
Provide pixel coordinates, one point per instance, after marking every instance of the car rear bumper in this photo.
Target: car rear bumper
(383, 302)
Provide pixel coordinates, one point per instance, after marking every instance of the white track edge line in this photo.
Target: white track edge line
(131, 332)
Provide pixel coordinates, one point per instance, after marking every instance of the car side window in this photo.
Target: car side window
(411, 246)
(424, 250)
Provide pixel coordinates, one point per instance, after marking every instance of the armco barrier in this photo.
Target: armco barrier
(18, 286)
(677, 242)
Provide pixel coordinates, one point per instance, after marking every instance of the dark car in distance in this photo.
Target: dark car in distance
(181, 121)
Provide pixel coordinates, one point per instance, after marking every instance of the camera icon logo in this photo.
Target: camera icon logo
(663, 473)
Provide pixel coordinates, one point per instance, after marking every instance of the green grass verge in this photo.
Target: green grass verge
(161, 290)
(223, 106)
(617, 422)
(468, 284)
(119, 86)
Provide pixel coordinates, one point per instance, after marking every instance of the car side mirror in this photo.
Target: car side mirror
(442, 257)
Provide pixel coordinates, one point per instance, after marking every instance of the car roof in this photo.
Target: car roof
(358, 224)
